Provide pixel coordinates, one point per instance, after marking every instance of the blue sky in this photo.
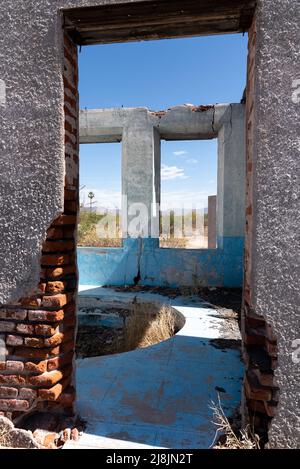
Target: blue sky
(159, 75)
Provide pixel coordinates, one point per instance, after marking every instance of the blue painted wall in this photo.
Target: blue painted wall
(141, 260)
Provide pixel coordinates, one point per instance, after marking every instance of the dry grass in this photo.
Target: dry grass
(91, 239)
(145, 326)
(4, 440)
(243, 439)
(167, 242)
(5, 428)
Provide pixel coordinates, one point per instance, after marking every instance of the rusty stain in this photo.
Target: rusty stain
(119, 436)
(158, 114)
(147, 413)
(202, 108)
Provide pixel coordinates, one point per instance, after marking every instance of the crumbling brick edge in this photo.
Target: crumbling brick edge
(261, 394)
(39, 331)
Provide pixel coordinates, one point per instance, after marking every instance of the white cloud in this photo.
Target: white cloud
(180, 153)
(182, 198)
(192, 161)
(169, 173)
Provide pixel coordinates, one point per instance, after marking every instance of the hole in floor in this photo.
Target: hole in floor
(106, 331)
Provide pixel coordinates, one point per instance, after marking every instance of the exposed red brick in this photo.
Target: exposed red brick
(14, 404)
(33, 302)
(53, 341)
(60, 272)
(55, 259)
(27, 393)
(15, 366)
(56, 287)
(46, 330)
(58, 246)
(262, 407)
(39, 367)
(270, 334)
(7, 326)
(254, 336)
(58, 362)
(47, 379)
(54, 233)
(71, 206)
(264, 379)
(68, 397)
(257, 393)
(50, 394)
(70, 195)
(48, 316)
(70, 308)
(55, 301)
(25, 329)
(42, 287)
(65, 220)
(69, 234)
(34, 342)
(271, 349)
(28, 352)
(14, 340)
(8, 392)
(70, 321)
(12, 379)
(67, 347)
(19, 314)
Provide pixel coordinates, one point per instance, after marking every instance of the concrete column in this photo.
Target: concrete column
(212, 222)
(140, 176)
(231, 176)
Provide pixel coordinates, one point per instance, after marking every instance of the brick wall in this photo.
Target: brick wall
(38, 333)
(259, 343)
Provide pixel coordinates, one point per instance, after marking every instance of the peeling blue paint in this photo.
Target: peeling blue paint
(163, 267)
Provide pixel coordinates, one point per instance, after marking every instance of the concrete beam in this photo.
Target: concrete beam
(186, 122)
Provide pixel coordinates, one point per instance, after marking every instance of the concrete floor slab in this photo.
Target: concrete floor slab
(160, 397)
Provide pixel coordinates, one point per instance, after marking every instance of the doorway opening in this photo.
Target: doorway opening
(100, 195)
(120, 34)
(189, 173)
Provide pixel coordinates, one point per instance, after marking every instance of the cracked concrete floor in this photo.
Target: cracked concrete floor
(160, 397)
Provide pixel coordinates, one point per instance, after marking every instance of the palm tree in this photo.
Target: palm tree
(91, 196)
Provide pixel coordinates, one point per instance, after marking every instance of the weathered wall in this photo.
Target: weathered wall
(273, 212)
(32, 169)
(32, 162)
(140, 131)
(37, 333)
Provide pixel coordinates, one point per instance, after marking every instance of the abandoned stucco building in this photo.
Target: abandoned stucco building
(39, 119)
(141, 255)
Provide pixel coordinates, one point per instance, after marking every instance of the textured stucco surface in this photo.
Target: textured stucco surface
(31, 135)
(32, 167)
(275, 257)
(141, 131)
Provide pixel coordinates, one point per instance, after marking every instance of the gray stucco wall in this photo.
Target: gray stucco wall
(31, 135)
(32, 167)
(275, 257)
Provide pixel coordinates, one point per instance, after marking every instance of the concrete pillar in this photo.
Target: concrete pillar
(212, 222)
(140, 176)
(231, 176)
